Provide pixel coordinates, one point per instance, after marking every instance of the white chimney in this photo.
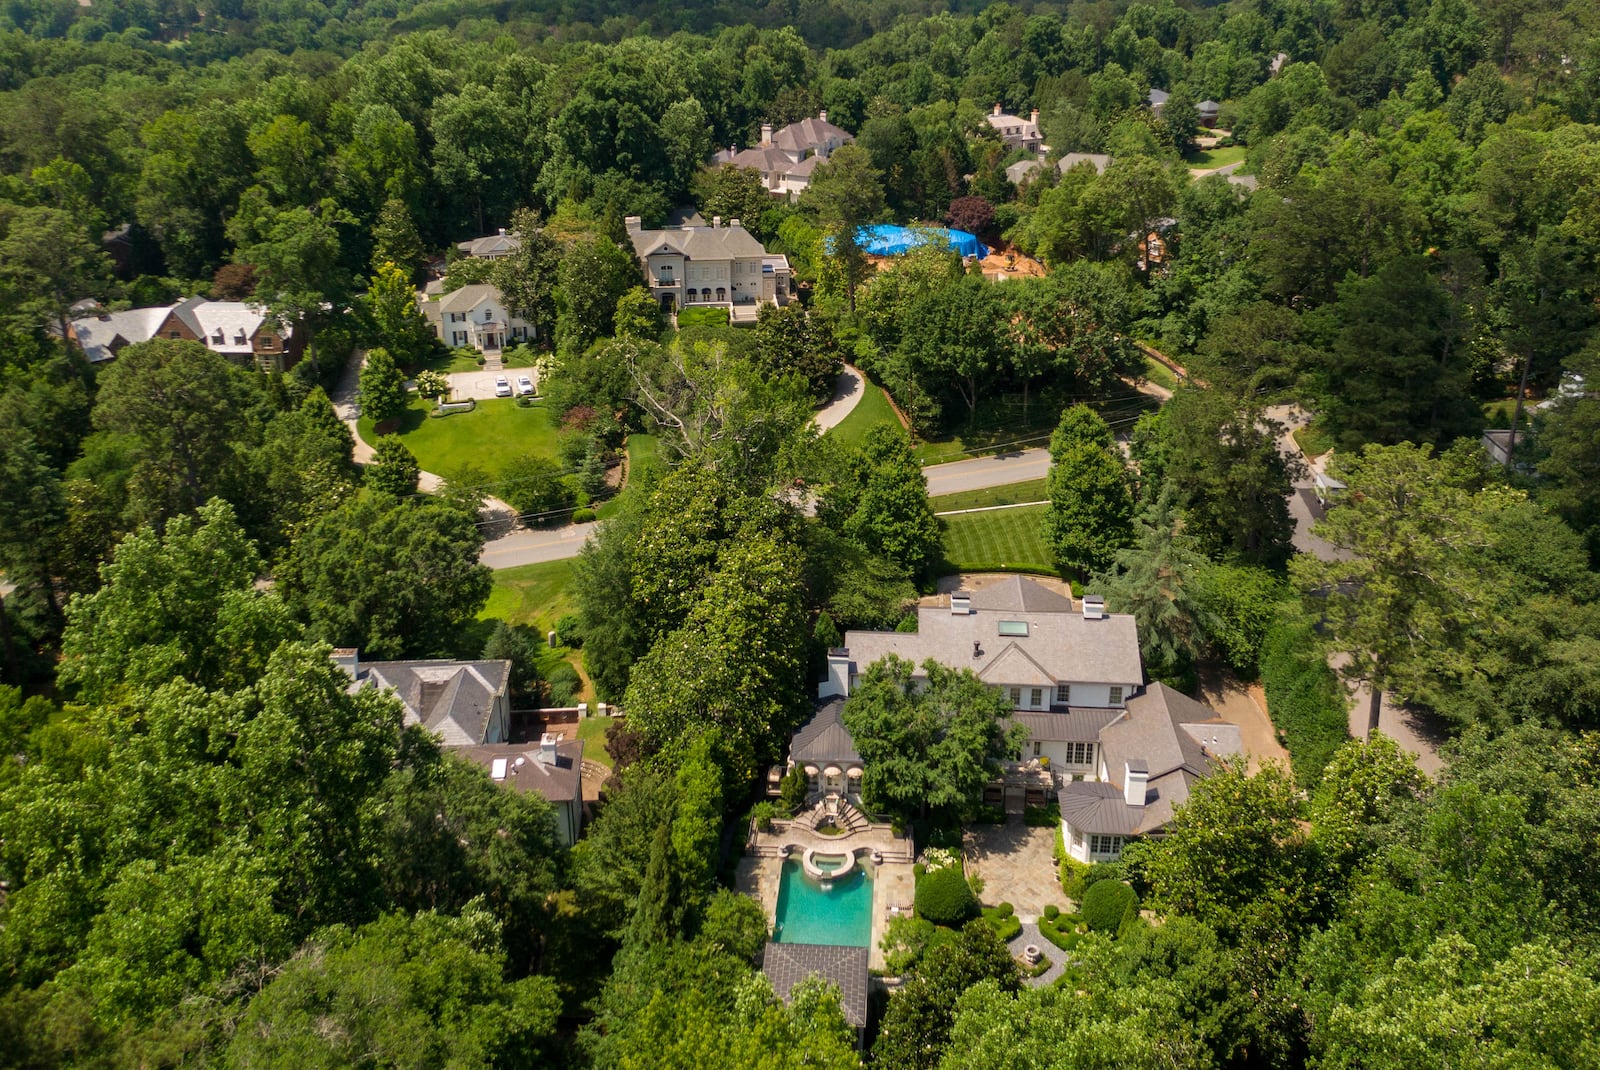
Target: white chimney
(1094, 607)
(716, 221)
(1034, 118)
(996, 109)
(823, 115)
(1136, 780)
(547, 748)
(633, 224)
(960, 604)
(502, 232)
(348, 658)
(766, 134)
(837, 685)
(733, 222)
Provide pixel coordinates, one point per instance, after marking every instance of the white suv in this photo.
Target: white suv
(502, 389)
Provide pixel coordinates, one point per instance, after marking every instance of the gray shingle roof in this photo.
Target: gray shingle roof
(526, 771)
(1061, 644)
(699, 243)
(786, 965)
(1077, 725)
(824, 738)
(452, 699)
(1098, 807)
(810, 133)
(491, 245)
(1072, 159)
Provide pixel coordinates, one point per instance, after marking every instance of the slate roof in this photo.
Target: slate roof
(1060, 645)
(726, 242)
(525, 770)
(101, 336)
(491, 245)
(224, 326)
(810, 134)
(1072, 159)
(1165, 729)
(786, 965)
(824, 738)
(452, 699)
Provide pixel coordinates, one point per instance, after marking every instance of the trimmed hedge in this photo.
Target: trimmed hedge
(1003, 919)
(702, 316)
(944, 898)
(1105, 904)
(1061, 930)
(1305, 699)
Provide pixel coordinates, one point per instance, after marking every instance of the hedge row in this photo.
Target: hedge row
(1304, 697)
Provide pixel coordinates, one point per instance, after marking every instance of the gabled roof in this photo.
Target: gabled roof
(786, 965)
(101, 336)
(1015, 594)
(491, 245)
(824, 738)
(236, 322)
(526, 770)
(1020, 170)
(1072, 159)
(452, 699)
(1014, 666)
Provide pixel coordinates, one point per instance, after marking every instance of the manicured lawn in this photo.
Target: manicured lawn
(702, 317)
(1006, 423)
(1029, 490)
(1206, 159)
(1006, 538)
(871, 411)
(592, 730)
(490, 437)
(644, 465)
(537, 596)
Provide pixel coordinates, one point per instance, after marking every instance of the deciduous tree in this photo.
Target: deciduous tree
(1091, 508)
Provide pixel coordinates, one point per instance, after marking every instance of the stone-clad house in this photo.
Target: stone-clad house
(1118, 754)
(722, 265)
(787, 158)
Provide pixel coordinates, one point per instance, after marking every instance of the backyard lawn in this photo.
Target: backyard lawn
(1005, 422)
(489, 438)
(537, 596)
(1159, 374)
(1029, 490)
(1004, 538)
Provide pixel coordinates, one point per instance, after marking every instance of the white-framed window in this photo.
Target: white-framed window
(1080, 753)
(1063, 693)
(1016, 696)
(1036, 697)
(1105, 845)
(1116, 694)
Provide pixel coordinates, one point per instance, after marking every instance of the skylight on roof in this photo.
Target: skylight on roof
(1014, 627)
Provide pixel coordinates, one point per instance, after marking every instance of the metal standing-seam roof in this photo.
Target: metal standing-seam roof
(824, 738)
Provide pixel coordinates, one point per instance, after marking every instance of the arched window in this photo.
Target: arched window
(722, 294)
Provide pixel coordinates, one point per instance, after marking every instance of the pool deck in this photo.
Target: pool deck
(891, 887)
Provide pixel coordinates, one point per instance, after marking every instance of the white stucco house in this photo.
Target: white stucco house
(1074, 679)
(722, 264)
(475, 315)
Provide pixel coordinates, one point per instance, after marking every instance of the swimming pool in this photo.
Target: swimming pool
(840, 916)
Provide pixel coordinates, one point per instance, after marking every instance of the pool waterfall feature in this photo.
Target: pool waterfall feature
(826, 868)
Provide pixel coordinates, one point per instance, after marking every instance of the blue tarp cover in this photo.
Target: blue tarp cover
(892, 241)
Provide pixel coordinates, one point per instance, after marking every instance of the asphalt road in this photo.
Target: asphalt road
(982, 472)
(528, 546)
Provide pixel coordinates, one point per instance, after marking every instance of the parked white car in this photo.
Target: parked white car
(502, 389)
(525, 386)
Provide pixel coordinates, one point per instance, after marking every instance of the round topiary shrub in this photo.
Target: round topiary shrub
(1052, 912)
(944, 898)
(582, 516)
(1104, 905)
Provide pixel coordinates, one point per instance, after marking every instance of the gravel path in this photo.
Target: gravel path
(1030, 934)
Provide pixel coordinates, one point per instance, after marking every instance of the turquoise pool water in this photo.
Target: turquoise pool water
(841, 916)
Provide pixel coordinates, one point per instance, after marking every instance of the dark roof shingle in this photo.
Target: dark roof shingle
(786, 965)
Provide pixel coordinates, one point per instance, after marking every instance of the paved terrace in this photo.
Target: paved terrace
(761, 870)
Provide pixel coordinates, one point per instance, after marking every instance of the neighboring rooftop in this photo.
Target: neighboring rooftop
(554, 771)
(729, 241)
(492, 246)
(812, 135)
(1072, 159)
(452, 699)
(786, 965)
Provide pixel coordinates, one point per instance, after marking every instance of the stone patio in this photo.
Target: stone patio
(1016, 865)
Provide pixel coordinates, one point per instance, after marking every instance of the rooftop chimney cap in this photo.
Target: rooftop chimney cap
(1094, 607)
(716, 221)
(823, 115)
(960, 603)
(633, 223)
(547, 747)
(996, 110)
(1136, 781)
(733, 223)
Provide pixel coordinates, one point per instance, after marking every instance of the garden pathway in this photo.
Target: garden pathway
(1030, 934)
